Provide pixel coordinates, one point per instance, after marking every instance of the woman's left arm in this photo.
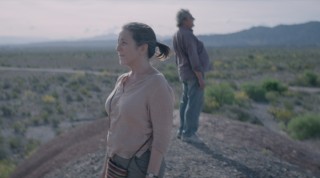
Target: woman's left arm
(161, 114)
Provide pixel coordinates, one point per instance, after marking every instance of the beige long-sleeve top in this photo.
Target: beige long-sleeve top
(137, 112)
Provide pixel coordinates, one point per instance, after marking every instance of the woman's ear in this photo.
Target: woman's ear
(144, 49)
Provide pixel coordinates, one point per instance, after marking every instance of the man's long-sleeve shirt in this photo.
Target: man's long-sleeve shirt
(191, 56)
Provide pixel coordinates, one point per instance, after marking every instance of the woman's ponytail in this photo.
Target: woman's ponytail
(163, 52)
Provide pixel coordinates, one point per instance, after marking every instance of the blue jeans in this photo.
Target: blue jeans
(190, 107)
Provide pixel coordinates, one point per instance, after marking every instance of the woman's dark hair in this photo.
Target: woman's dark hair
(143, 34)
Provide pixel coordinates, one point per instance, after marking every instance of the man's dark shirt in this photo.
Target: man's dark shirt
(191, 55)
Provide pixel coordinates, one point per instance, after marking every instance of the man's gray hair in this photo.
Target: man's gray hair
(182, 15)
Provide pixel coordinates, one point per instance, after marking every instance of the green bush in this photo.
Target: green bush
(312, 78)
(281, 114)
(242, 99)
(255, 92)
(6, 168)
(217, 95)
(170, 72)
(31, 146)
(19, 127)
(171, 76)
(3, 152)
(37, 120)
(238, 113)
(6, 111)
(48, 99)
(210, 104)
(271, 85)
(308, 78)
(15, 143)
(265, 91)
(304, 127)
(272, 97)
(85, 92)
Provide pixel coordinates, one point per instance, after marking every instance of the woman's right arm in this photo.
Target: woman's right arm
(110, 97)
(108, 110)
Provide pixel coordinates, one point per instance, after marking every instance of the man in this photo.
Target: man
(192, 61)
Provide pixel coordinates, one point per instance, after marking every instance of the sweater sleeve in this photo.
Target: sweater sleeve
(161, 114)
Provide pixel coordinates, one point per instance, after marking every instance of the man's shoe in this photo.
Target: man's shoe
(192, 139)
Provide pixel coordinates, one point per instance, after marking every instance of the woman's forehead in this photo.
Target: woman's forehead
(125, 34)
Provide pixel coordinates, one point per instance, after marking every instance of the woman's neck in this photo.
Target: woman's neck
(141, 69)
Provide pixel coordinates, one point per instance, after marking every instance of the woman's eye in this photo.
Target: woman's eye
(121, 43)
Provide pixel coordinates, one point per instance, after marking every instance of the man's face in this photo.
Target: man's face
(188, 22)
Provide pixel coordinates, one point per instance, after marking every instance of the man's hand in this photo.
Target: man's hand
(201, 82)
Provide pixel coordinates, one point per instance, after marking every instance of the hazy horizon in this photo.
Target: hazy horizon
(75, 19)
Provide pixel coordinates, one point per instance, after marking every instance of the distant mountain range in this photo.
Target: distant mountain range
(12, 40)
(306, 34)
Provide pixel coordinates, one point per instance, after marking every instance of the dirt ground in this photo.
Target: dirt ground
(230, 149)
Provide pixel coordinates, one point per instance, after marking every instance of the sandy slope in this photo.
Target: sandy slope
(230, 149)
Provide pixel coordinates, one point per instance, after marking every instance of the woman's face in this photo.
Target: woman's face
(127, 49)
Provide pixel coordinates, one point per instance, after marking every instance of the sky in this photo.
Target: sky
(76, 19)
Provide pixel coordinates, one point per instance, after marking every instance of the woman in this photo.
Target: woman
(140, 108)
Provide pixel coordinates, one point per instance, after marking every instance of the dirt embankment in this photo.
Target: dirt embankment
(230, 149)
